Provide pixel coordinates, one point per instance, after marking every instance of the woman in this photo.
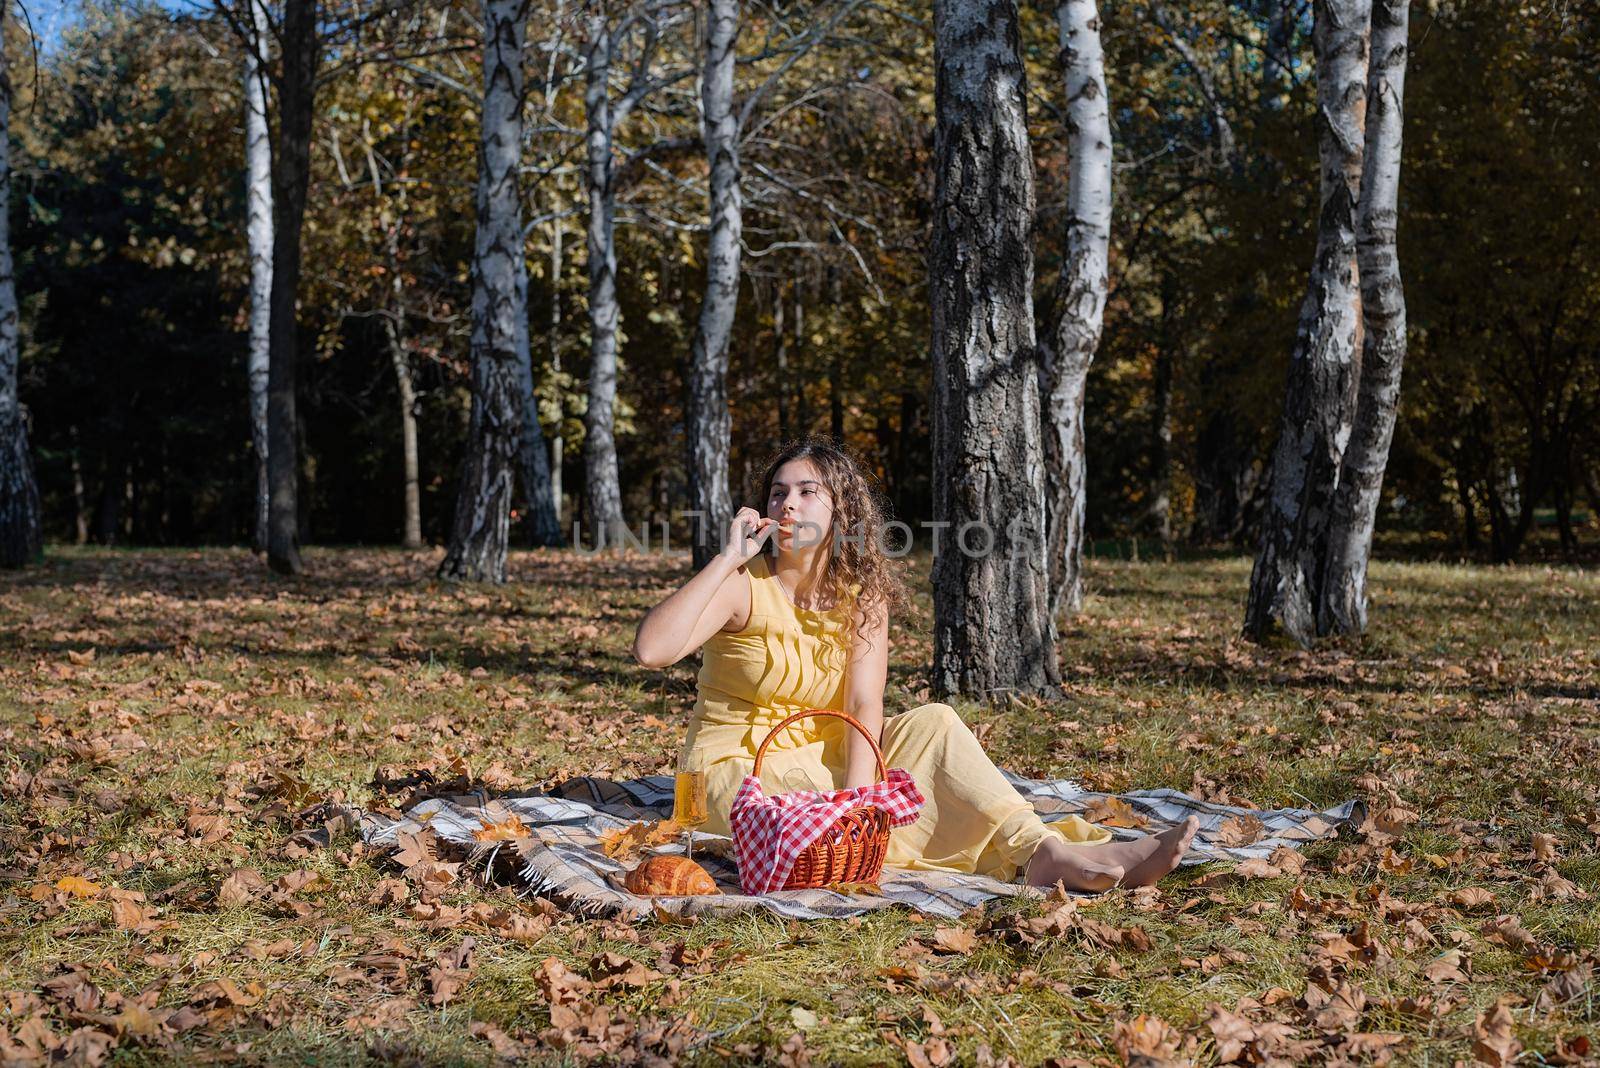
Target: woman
(794, 614)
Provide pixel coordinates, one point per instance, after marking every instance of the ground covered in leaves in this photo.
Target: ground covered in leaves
(178, 732)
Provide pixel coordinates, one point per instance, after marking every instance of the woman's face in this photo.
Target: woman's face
(801, 504)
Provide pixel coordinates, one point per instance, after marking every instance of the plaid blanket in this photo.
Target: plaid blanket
(562, 858)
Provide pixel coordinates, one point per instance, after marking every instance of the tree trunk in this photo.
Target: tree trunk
(501, 377)
(258, 229)
(602, 494)
(802, 400)
(993, 632)
(533, 454)
(1343, 608)
(835, 362)
(21, 524)
(558, 439)
(1275, 62)
(1319, 396)
(780, 357)
(291, 174)
(1160, 511)
(709, 424)
(395, 327)
(1080, 298)
(80, 501)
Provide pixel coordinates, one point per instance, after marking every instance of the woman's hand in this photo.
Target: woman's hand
(748, 532)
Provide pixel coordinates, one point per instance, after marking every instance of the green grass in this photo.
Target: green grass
(1472, 703)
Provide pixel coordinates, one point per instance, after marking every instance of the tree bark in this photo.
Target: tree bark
(291, 175)
(533, 455)
(21, 524)
(602, 494)
(1319, 395)
(1343, 607)
(1080, 298)
(835, 361)
(1160, 511)
(258, 229)
(994, 635)
(395, 327)
(780, 359)
(558, 439)
(709, 424)
(501, 376)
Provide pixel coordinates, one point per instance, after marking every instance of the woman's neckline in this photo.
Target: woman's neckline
(784, 593)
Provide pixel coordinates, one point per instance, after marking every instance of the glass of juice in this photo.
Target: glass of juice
(689, 800)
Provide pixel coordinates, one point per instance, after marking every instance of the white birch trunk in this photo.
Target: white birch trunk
(602, 490)
(258, 230)
(395, 328)
(994, 637)
(21, 528)
(501, 378)
(1383, 311)
(1080, 295)
(709, 425)
(1319, 397)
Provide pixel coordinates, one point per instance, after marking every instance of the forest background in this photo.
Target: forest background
(128, 218)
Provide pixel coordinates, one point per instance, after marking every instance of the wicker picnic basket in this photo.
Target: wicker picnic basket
(853, 849)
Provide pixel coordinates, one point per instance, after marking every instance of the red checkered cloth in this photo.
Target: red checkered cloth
(770, 833)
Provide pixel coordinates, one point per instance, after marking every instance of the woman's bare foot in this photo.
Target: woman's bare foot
(1057, 862)
(1087, 867)
(1165, 850)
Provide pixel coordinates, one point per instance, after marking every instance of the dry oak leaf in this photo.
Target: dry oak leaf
(1394, 819)
(1546, 847)
(1239, 831)
(1494, 1043)
(1149, 1042)
(505, 1047)
(954, 940)
(78, 886)
(559, 983)
(447, 978)
(240, 887)
(1447, 967)
(623, 842)
(1113, 811)
(507, 830)
(1472, 897)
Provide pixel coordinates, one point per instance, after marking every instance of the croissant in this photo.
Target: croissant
(669, 875)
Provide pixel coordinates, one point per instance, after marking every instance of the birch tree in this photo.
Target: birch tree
(1080, 295)
(291, 175)
(602, 487)
(21, 534)
(708, 424)
(480, 529)
(1343, 608)
(258, 229)
(993, 631)
(1319, 396)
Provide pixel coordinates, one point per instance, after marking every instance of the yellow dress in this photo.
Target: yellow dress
(789, 658)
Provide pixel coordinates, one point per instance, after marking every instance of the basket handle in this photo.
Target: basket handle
(883, 774)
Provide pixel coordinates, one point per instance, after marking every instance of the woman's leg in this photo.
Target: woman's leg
(975, 820)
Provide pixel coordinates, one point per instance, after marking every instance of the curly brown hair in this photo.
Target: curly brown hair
(860, 511)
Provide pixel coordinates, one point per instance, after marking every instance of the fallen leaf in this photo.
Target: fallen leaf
(1494, 1042)
(1241, 830)
(954, 940)
(77, 886)
(1111, 811)
(1148, 1041)
(507, 830)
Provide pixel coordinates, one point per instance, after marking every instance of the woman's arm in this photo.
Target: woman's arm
(863, 698)
(707, 603)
